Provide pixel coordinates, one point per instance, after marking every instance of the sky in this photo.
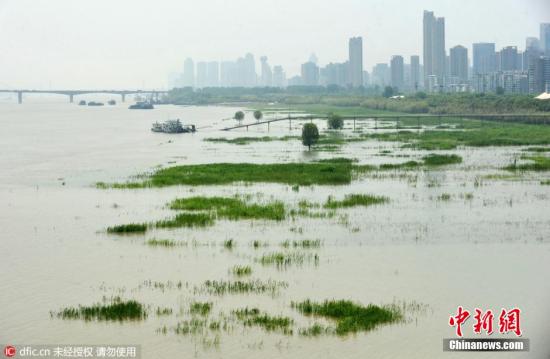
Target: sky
(100, 44)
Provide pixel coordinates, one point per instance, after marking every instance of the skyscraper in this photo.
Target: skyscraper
(202, 74)
(414, 77)
(310, 74)
(484, 58)
(278, 76)
(356, 61)
(459, 64)
(188, 73)
(509, 59)
(266, 75)
(397, 72)
(545, 38)
(213, 74)
(434, 49)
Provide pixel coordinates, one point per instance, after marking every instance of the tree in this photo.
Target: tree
(258, 115)
(335, 122)
(310, 135)
(500, 90)
(388, 91)
(239, 116)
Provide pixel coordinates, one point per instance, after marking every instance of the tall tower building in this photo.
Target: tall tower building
(213, 74)
(545, 38)
(397, 72)
(434, 49)
(484, 58)
(188, 73)
(509, 59)
(356, 61)
(414, 77)
(266, 77)
(202, 74)
(459, 64)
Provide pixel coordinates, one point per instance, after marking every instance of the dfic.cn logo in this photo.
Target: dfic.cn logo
(9, 351)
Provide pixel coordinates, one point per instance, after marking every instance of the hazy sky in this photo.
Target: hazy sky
(133, 43)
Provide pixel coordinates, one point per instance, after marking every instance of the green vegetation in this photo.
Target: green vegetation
(282, 259)
(128, 228)
(313, 331)
(545, 183)
(444, 197)
(241, 271)
(239, 116)
(248, 140)
(310, 135)
(225, 173)
(200, 308)
(537, 149)
(440, 160)
(304, 243)
(258, 115)
(231, 208)
(117, 309)
(335, 122)
(161, 242)
(350, 317)
(353, 200)
(186, 220)
(229, 244)
(240, 287)
(253, 317)
(163, 311)
(538, 163)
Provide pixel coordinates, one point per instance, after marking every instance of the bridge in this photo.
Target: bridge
(538, 119)
(72, 93)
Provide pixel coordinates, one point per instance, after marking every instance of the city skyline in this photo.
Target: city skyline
(98, 52)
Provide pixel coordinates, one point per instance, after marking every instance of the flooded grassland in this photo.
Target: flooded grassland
(243, 243)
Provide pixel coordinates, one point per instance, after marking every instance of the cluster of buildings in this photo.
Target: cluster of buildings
(507, 70)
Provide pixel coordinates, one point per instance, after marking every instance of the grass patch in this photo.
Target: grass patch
(282, 259)
(304, 243)
(545, 183)
(537, 149)
(538, 163)
(313, 331)
(225, 173)
(128, 228)
(187, 220)
(257, 286)
(200, 308)
(253, 317)
(353, 200)
(248, 140)
(439, 160)
(161, 242)
(350, 317)
(117, 309)
(241, 271)
(444, 197)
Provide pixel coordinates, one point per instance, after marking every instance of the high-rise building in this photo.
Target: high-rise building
(509, 59)
(414, 78)
(381, 75)
(434, 49)
(356, 61)
(279, 77)
(266, 75)
(250, 76)
(228, 74)
(335, 74)
(213, 74)
(532, 51)
(202, 74)
(310, 74)
(484, 58)
(545, 38)
(459, 64)
(188, 73)
(539, 74)
(397, 72)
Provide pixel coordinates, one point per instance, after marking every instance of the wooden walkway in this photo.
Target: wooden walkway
(538, 119)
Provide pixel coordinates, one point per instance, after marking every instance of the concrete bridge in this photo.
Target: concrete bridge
(72, 93)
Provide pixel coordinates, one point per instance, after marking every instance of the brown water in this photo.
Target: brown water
(491, 251)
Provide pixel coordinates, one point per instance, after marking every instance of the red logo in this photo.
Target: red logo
(9, 351)
(508, 321)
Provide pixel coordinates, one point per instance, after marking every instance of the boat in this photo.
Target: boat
(112, 102)
(173, 126)
(142, 105)
(82, 103)
(93, 103)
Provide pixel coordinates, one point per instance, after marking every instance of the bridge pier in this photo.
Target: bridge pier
(123, 97)
(19, 97)
(71, 98)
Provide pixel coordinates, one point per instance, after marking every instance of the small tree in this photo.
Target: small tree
(258, 115)
(335, 122)
(239, 116)
(310, 135)
(388, 91)
(500, 90)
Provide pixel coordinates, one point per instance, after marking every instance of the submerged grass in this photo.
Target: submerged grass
(350, 317)
(253, 317)
(439, 160)
(117, 309)
(353, 200)
(186, 220)
(538, 163)
(161, 242)
(257, 286)
(128, 228)
(241, 271)
(200, 308)
(283, 259)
